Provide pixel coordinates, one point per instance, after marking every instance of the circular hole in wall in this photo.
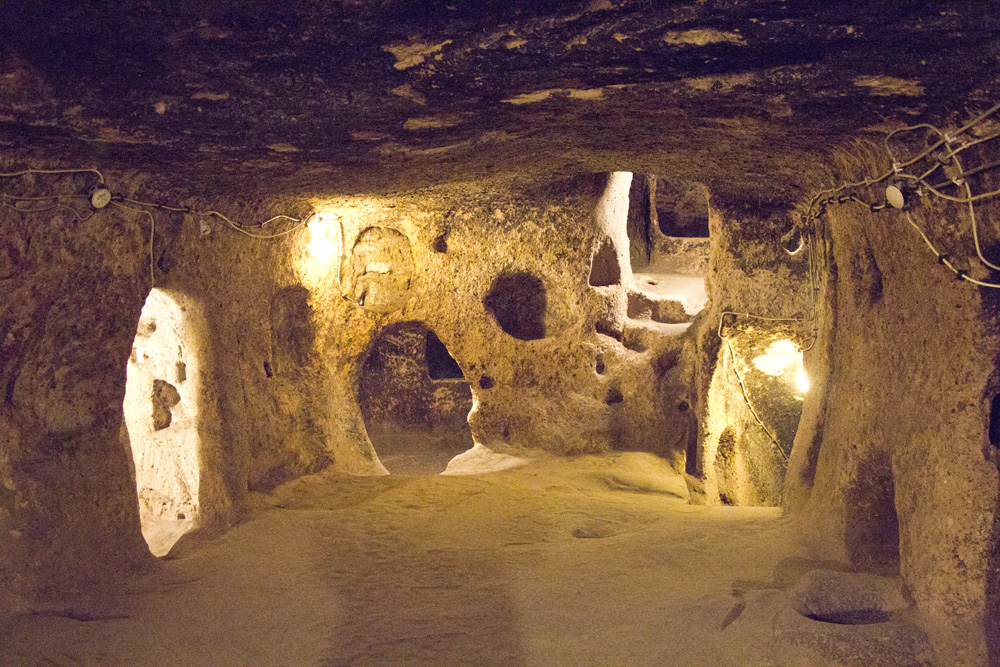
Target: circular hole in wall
(518, 302)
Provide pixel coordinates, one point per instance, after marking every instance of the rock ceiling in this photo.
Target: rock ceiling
(354, 96)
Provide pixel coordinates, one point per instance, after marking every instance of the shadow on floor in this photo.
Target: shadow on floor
(406, 603)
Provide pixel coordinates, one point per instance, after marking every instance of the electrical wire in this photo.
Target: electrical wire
(746, 398)
(152, 232)
(56, 205)
(4, 195)
(975, 142)
(958, 200)
(829, 196)
(943, 258)
(897, 166)
(301, 222)
(890, 135)
(7, 199)
(962, 181)
(944, 138)
(25, 172)
(972, 214)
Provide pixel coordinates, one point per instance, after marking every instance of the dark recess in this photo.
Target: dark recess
(872, 531)
(852, 617)
(604, 269)
(440, 364)
(518, 302)
(639, 223)
(608, 329)
(681, 208)
(995, 421)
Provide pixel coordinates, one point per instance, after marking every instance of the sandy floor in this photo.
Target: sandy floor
(593, 560)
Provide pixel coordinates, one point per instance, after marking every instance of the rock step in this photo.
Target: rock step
(641, 335)
(665, 309)
(685, 289)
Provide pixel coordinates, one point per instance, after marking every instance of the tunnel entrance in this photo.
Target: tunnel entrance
(755, 400)
(415, 401)
(161, 421)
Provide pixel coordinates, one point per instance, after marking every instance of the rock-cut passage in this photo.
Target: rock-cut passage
(415, 401)
(161, 421)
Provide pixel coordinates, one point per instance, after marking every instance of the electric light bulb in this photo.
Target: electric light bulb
(802, 381)
(321, 246)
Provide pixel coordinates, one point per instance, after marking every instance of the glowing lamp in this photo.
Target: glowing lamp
(779, 356)
(792, 241)
(321, 245)
(784, 359)
(802, 381)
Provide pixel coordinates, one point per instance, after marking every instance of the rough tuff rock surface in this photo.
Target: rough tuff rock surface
(531, 182)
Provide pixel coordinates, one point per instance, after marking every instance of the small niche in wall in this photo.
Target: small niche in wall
(518, 302)
(639, 224)
(380, 270)
(872, 526)
(681, 208)
(604, 268)
(440, 364)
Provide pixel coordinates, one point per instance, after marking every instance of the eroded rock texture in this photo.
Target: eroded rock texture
(541, 227)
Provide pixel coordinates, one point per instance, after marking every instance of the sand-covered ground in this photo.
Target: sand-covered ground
(589, 560)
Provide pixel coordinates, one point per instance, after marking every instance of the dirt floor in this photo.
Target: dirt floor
(589, 560)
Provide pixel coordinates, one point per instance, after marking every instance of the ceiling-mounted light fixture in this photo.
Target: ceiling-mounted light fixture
(792, 241)
(894, 196)
(100, 198)
(900, 191)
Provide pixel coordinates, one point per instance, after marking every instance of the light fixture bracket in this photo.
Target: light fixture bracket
(100, 198)
(894, 196)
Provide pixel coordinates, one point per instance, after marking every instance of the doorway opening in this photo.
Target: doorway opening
(161, 421)
(667, 227)
(415, 401)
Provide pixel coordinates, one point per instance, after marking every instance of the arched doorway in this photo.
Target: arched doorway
(415, 401)
(162, 418)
